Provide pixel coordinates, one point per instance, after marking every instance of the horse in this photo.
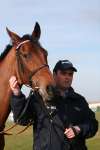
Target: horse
(26, 59)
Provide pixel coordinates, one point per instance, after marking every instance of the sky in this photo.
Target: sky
(70, 29)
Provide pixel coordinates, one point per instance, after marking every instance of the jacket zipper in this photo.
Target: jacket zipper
(50, 130)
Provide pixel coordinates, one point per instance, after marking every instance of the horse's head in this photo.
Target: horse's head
(32, 66)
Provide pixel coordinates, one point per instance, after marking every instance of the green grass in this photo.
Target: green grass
(94, 143)
(24, 140)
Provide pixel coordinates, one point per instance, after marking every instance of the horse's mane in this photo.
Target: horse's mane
(6, 51)
(9, 46)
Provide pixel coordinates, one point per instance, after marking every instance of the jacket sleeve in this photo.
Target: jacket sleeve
(22, 109)
(89, 126)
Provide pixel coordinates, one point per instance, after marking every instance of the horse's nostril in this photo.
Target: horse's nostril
(50, 90)
(53, 92)
(49, 87)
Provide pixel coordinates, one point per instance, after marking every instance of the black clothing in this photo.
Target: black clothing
(50, 122)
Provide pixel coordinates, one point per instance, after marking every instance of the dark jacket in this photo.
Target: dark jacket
(50, 122)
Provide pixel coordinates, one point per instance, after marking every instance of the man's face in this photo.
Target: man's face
(63, 79)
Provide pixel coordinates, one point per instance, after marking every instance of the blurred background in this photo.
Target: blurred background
(69, 30)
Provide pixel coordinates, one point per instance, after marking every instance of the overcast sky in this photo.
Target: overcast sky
(70, 30)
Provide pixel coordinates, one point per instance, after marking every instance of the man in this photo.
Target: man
(65, 122)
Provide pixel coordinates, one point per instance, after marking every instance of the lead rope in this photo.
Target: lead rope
(16, 124)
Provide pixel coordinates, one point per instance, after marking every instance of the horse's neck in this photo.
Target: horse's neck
(7, 69)
(4, 107)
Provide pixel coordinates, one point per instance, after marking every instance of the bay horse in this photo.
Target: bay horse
(27, 60)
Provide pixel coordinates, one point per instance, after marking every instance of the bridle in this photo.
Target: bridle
(21, 65)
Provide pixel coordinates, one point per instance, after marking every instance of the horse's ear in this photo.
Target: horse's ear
(14, 37)
(37, 31)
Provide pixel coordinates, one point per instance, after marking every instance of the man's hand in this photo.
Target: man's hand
(70, 132)
(14, 85)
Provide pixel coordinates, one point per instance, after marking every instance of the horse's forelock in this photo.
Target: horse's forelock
(29, 37)
(26, 37)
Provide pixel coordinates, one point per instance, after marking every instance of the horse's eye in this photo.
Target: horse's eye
(27, 56)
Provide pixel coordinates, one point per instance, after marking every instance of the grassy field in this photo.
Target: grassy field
(94, 143)
(24, 140)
